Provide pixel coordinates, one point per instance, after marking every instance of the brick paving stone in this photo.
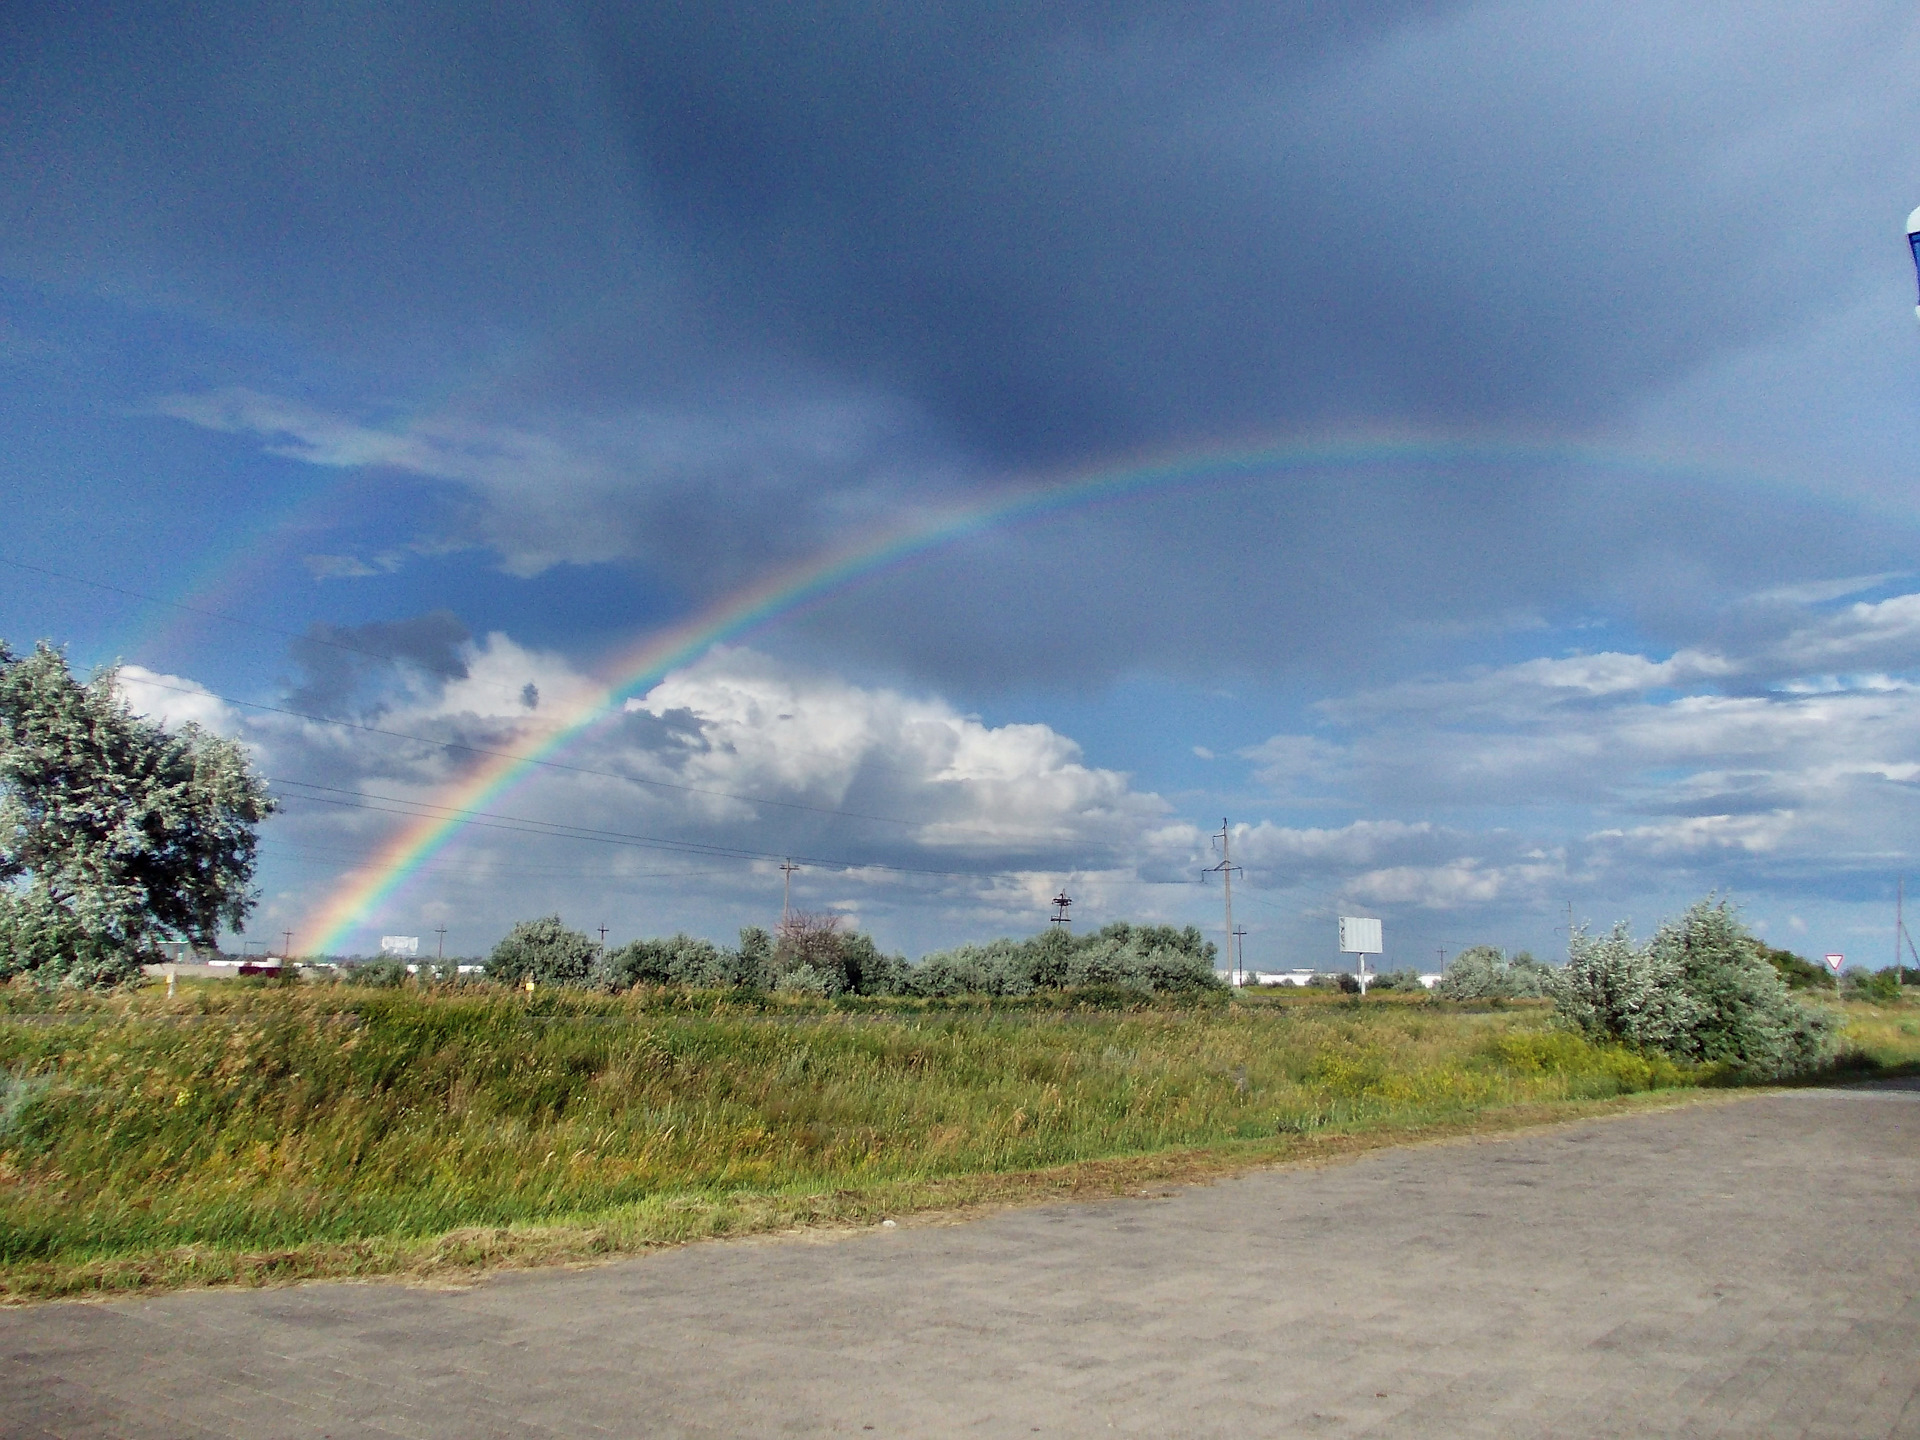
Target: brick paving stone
(1739, 1269)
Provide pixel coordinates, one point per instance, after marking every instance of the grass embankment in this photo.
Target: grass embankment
(252, 1134)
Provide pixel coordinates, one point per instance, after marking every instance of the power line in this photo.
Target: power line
(315, 856)
(527, 760)
(524, 825)
(415, 810)
(581, 769)
(199, 610)
(388, 655)
(452, 744)
(554, 830)
(489, 819)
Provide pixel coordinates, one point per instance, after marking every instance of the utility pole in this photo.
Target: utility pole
(1900, 931)
(1225, 870)
(1441, 951)
(787, 867)
(603, 936)
(286, 947)
(1240, 948)
(1061, 903)
(441, 931)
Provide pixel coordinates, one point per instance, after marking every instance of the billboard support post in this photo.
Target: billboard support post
(1360, 936)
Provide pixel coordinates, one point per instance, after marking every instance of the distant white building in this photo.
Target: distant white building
(1303, 977)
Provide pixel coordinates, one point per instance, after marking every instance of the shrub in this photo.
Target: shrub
(384, 973)
(1144, 959)
(1875, 987)
(811, 950)
(680, 960)
(1613, 989)
(803, 979)
(1796, 972)
(1485, 972)
(546, 951)
(1698, 991)
(1396, 980)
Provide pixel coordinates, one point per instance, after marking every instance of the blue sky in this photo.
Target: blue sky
(453, 352)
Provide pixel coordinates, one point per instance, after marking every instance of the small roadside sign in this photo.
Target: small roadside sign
(1834, 962)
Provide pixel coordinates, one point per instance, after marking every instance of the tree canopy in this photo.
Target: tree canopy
(115, 831)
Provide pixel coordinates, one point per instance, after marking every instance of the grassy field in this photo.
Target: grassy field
(251, 1133)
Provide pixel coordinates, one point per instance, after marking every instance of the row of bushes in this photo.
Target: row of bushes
(1703, 989)
(812, 955)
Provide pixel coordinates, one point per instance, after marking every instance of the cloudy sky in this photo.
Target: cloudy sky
(373, 377)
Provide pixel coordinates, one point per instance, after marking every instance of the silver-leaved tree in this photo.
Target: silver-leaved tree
(115, 832)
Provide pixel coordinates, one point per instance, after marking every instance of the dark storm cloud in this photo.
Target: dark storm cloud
(1349, 577)
(1054, 227)
(341, 664)
(741, 278)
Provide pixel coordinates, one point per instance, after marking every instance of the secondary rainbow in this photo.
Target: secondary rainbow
(791, 589)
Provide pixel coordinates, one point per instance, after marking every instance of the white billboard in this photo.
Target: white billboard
(1359, 937)
(405, 944)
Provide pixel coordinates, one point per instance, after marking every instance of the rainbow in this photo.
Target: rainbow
(781, 594)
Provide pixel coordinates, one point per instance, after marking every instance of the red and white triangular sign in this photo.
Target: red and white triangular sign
(1834, 962)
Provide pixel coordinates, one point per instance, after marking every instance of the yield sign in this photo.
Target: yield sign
(1834, 962)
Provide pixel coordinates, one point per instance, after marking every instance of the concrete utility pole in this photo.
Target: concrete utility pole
(1225, 870)
(787, 867)
(286, 945)
(441, 931)
(1061, 903)
(1240, 952)
(1900, 932)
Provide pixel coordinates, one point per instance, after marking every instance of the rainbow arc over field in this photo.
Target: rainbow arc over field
(784, 592)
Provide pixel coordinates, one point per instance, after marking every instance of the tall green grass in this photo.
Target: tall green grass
(237, 1120)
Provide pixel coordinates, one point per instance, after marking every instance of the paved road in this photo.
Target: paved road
(1743, 1269)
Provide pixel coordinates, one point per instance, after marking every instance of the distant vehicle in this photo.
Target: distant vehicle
(1913, 244)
